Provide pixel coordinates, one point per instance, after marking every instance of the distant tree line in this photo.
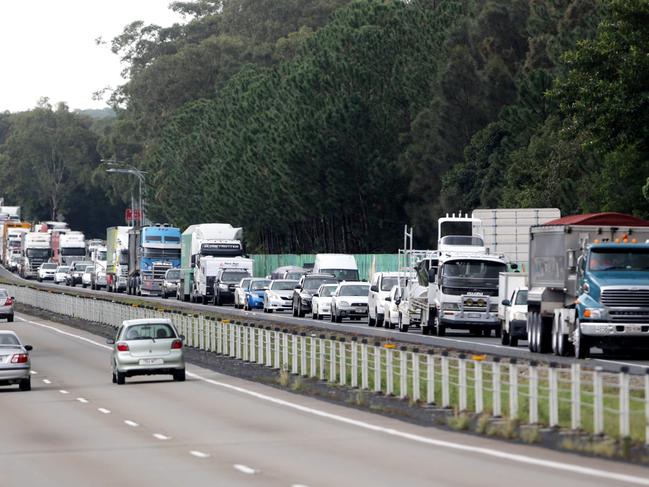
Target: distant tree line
(326, 125)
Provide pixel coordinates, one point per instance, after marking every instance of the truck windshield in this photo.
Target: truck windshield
(101, 255)
(521, 297)
(622, 259)
(342, 274)
(234, 276)
(161, 253)
(221, 250)
(462, 240)
(123, 257)
(38, 253)
(73, 251)
(473, 269)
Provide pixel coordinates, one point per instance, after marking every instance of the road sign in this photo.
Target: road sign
(133, 214)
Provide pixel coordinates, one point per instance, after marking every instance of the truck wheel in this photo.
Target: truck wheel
(531, 334)
(498, 333)
(504, 337)
(379, 322)
(544, 334)
(402, 328)
(371, 321)
(582, 345)
(513, 342)
(295, 310)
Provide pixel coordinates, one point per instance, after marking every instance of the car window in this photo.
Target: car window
(354, 290)
(257, 285)
(3, 293)
(327, 291)
(283, 285)
(147, 331)
(9, 340)
(521, 297)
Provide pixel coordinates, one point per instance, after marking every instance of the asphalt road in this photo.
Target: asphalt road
(455, 339)
(77, 428)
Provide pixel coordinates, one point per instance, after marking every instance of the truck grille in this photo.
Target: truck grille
(459, 291)
(629, 316)
(159, 271)
(625, 298)
(475, 303)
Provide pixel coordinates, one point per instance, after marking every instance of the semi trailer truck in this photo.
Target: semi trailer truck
(152, 251)
(589, 285)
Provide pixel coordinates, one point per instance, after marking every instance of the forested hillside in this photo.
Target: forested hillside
(328, 124)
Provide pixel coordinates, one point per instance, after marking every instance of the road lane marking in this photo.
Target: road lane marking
(33, 372)
(103, 410)
(513, 457)
(82, 400)
(62, 391)
(199, 454)
(46, 381)
(299, 485)
(244, 469)
(131, 423)
(161, 437)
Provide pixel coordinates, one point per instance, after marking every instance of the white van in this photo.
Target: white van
(342, 266)
(382, 283)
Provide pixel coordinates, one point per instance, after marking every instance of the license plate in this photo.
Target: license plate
(473, 315)
(633, 328)
(151, 361)
(361, 310)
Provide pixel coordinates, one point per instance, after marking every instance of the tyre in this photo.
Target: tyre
(581, 342)
(25, 385)
(513, 342)
(179, 375)
(504, 337)
(319, 316)
(270, 311)
(121, 378)
(300, 311)
(339, 319)
(314, 316)
(380, 321)
(531, 342)
(498, 332)
(441, 330)
(39, 279)
(402, 328)
(83, 286)
(544, 334)
(333, 316)
(10, 318)
(218, 301)
(114, 379)
(294, 309)
(371, 321)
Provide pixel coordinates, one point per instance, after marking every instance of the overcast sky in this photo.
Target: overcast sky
(48, 48)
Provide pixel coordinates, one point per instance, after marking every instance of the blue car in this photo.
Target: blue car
(255, 293)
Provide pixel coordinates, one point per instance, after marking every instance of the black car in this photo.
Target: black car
(306, 287)
(225, 282)
(75, 273)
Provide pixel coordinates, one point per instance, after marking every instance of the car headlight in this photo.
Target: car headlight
(344, 303)
(223, 287)
(271, 295)
(595, 313)
(520, 316)
(453, 306)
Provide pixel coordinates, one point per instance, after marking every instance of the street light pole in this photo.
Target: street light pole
(126, 169)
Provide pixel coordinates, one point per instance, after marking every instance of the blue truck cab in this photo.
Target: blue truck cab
(153, 250)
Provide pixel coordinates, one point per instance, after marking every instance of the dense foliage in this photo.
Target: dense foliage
(328, 124)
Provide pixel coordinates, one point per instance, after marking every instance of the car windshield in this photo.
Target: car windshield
(521, 297)
(622, 259)
(49, 266)
(294, 274)
(314, 283)
(244, 283)
(8, 340)
(101, 255)
(389, 282)
(343, 274)
(62, 269)
(327, 291)
(354, 290)
(283, 285)
(233, 276)
(257, 285)
(89, 269)
(148, 331)
(173, 274)
(80, 267)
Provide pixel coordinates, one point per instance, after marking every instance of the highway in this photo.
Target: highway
(456, 339)
(77, 428)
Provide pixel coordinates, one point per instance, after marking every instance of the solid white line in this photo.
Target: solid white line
(299, 485)
(103, 410)
(32, 371)
(131, 423)
(62, 391)
(199, 454)
(82, 400)
(46, 381)
(623, 363)
(161, 436)
(244, 469)
(566, 467)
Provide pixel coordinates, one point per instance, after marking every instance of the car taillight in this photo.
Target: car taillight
(176, 344)
(122, 347)
(19, 358)
(9, 301)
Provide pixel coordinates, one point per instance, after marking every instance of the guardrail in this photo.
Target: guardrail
(590, 401)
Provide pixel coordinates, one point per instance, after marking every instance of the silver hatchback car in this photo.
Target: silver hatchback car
(15, 366)
(147, 347)
(6, 305)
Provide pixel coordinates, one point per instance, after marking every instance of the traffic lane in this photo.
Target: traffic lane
(280, 443)
(457, 340)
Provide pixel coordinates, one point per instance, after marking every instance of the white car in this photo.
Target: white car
(392, 307)
(15, 359)
(61, 274)
(514, 326)
(349, 300)
(321, 303)
(46, 271)
(382, 283)
(86, 277)
(240, 292)
(279, 295)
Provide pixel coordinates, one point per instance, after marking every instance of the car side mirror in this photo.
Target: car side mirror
(388, 299)
(110, 341)
(316, 295)
(182, 337)
(506, 302)
(374, 289)
(397, 301)
(29, 348)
